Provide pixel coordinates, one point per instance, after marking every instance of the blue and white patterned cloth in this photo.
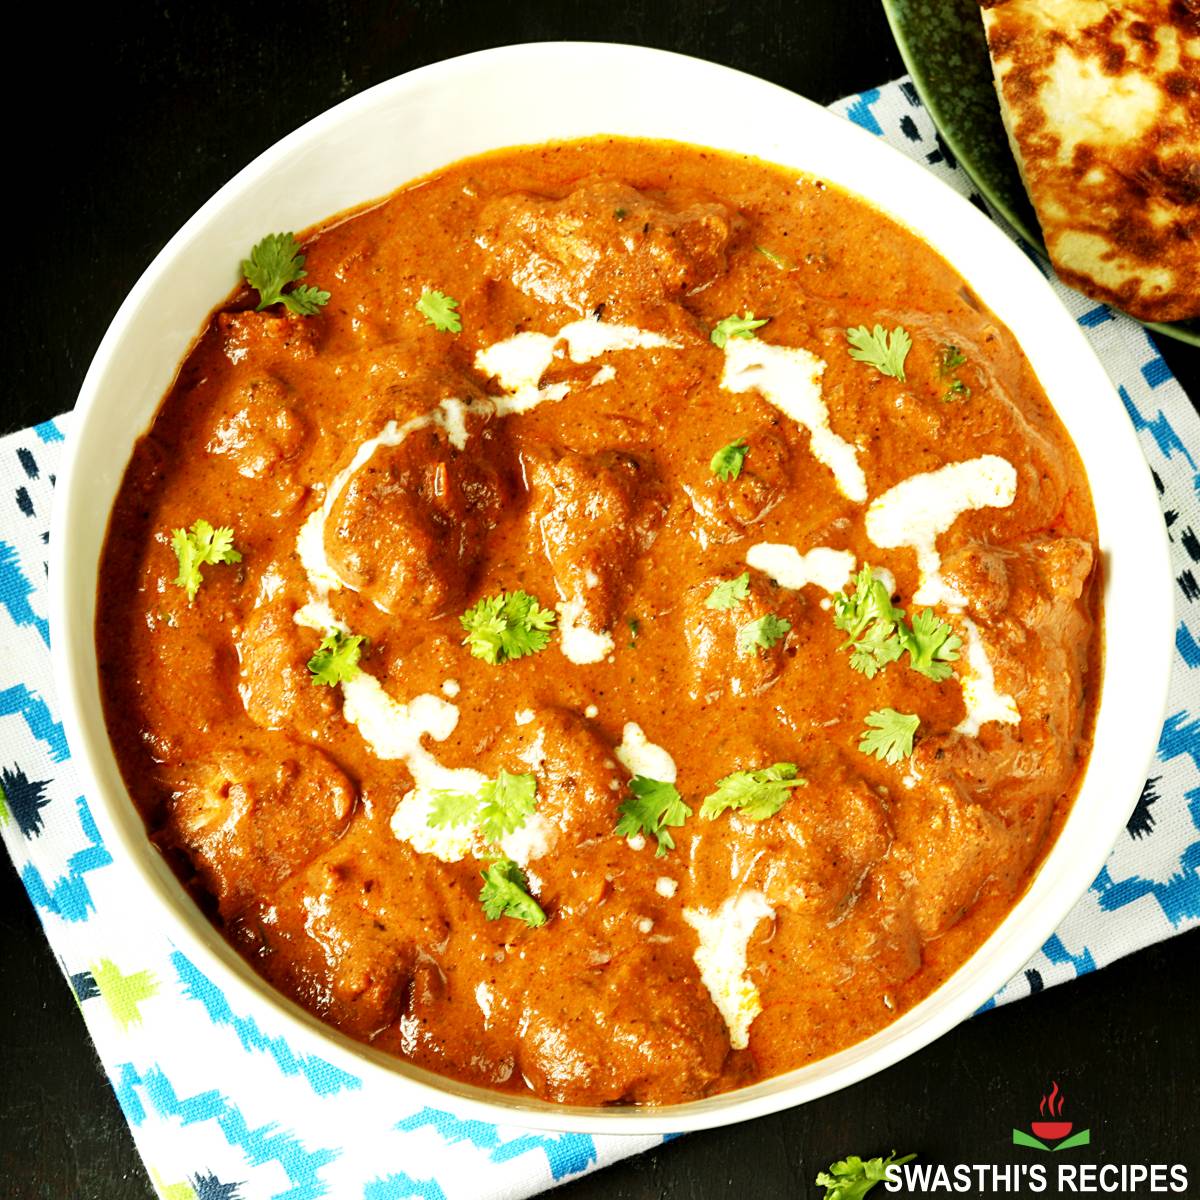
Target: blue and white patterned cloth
(223, 1108)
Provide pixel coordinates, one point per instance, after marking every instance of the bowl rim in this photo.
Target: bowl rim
(991, 965)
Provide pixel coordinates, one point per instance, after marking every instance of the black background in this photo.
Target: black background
(129, 118)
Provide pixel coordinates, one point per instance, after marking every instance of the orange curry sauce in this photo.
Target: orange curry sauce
(870, 884)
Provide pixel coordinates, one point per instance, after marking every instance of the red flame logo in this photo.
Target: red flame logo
(1052, 1105)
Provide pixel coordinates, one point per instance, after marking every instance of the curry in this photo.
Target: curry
(613, 620)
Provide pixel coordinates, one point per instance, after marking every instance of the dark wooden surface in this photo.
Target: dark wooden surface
(131, 118)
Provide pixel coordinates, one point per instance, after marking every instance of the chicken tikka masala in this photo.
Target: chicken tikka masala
(613, 620)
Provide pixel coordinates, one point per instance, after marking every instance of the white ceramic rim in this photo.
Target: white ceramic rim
(555, 90)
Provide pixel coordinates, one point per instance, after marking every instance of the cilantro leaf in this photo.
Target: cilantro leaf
(758, 794)
(879, 634)
(452, 808)
(932, 645)
(884, 351)
(875, 650)
(305, 300)
(889, 735)
(504, 804)
(336, 659)
(501, 805)
(506, 626)
(505, 893)
(956, 391)
(735, 326)
(651, 807)
(950, 359)
(869, 604)
(729, 593)
(440, 311)
(871, 622)
(202, 544)
(726, 464)
(764, 632)
(274, 263)
(852, 1178)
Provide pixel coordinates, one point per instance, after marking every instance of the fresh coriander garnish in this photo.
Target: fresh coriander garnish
(884, 351)
(950, 359)
(726, 464)
(452, 808)
(500, 806)
(729, 593)
(775, 259)
(764, 632)
(274, 263)
(757, 794)
(440, 311)
(505, 893)
(506, 626)
(634, 627)
(619, 214)
(336, 659)
(932, 645)
(889, 735)
(735, 327)
(651, 807)
(870, 622)
(195, 548)
(878, 633)
(853, 1178)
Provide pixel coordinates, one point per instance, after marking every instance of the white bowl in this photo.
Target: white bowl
(377, 141)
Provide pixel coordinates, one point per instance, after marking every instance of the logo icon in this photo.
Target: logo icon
(1051, 1132)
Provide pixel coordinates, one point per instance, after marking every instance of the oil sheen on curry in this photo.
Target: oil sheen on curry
(622, 625)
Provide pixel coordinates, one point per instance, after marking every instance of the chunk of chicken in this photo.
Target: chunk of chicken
(979, 573)
(597, 514)
(725, 509)
(720, 659)
(408, 530)
(607, 244)
(1033, 595)
(250, 818)
(259, 430)
(575, 769)
(267, 335)
(811, 855)
(603, 1024)
(274, 681)
(949, 849)
(350, 931)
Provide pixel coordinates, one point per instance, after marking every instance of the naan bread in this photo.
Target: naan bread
(1102, 103)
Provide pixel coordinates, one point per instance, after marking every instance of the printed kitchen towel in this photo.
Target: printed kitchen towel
(223, 1107)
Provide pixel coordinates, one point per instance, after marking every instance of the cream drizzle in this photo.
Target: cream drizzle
(519, 362)
(983, 700)
(789, 379)
(828, 569)
(724, 938)
(450, 415)
(920, 508)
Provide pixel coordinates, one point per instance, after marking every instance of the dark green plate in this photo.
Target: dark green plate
(943, 46)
